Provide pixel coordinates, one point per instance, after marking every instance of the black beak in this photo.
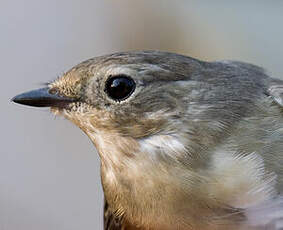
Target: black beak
(42, 98)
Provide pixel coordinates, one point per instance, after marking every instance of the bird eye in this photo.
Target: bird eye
(119, 87)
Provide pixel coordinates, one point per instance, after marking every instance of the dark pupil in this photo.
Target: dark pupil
(120, 87)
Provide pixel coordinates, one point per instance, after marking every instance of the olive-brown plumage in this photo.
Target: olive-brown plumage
(184, 144)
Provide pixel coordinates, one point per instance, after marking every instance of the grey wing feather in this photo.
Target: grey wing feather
(267, 216)
(111, 222)
(276, 92)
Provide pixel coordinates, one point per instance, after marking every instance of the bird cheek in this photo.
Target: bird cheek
(141, 127)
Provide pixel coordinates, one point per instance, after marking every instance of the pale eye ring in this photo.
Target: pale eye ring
(119, 87)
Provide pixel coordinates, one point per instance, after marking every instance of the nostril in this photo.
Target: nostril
(53, 91)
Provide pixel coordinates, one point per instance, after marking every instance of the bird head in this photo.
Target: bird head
(147, 101)
(140, 95)
(133, 95)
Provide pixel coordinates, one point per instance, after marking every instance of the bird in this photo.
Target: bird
(183, 143)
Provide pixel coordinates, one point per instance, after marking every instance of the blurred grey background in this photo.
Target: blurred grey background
(49, 170)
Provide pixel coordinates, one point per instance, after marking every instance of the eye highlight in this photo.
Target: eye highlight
(119, 87)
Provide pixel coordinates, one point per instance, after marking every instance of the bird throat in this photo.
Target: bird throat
(140, 183)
